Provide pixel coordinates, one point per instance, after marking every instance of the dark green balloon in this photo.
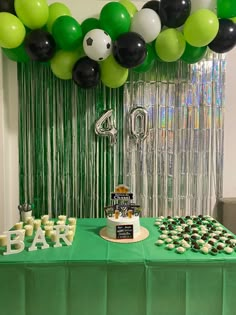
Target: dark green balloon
(115, 19)
(193, 54)
(89, 24)
(67, 32)
(17, 54)
(148, 61)
(226, 9)
(156, 55)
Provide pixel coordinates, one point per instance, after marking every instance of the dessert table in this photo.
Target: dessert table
(98, 277)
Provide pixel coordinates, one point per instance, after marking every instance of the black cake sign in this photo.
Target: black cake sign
(124, 231)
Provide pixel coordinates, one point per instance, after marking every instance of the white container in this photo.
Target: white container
(25, 215)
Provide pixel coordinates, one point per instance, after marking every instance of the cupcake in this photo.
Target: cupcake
(180, 250)
(228, 250)
(163, 236)
(205, 250)
(195, 247)
(214, 251)
(170, 246)
(159, 242)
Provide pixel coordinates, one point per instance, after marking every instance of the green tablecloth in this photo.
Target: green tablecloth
(97, 277)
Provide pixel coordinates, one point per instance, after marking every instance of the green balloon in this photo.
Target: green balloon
(193, 54)
(17, 54)
(148, 61)
(33, 13)
(115, 19)
(63, 62)
(89, 24)
(226, 9)
(154, 47)
(112, 74)
(56, 10)
(201, 28)
(12, 31)
(170, 45)
(67, 32)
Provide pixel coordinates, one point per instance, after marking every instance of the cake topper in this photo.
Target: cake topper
(122, 204)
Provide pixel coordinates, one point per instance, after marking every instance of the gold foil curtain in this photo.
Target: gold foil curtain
(172, 160)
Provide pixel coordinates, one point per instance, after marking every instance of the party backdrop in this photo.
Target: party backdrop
(161, 134)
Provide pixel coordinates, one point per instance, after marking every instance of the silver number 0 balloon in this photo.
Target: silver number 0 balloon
(138, 122)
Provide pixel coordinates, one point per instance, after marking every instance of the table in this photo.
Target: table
(97, 277)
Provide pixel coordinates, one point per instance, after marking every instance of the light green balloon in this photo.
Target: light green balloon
(170, 45)
(63, 62)
(130, 7)
(12, 31)
(112, 74)
(56, 10)
(32, 13)
(201, 28)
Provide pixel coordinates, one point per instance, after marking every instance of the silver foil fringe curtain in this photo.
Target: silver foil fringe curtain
(169, 147)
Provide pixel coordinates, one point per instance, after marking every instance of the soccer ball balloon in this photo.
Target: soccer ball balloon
(97, 44)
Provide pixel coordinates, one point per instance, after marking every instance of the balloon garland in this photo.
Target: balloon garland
(122, 38)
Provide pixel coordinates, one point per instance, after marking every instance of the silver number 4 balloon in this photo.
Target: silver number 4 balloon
(105, 126)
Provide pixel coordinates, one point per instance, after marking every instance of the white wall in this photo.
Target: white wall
(229, 187)
(9, 189)
(8, 144)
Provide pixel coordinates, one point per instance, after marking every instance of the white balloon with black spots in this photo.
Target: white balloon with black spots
(97, 44)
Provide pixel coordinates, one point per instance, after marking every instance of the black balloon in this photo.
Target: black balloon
(129, 49)
(155, 5)
(86, 73)
(40, 45)
(173, 13)
(225, 39)
(7, 6)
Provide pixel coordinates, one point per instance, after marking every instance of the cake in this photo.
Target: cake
(123, 220)
(123, 227)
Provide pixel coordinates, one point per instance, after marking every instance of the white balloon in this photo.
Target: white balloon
(203, 4)
(97, 44)
(146, 23)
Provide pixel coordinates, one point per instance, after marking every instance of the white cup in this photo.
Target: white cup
(62, 217)
(30, 220)
(3, 240)
(70, 236)
(49, 223)
(44, 218)
(18, 225)
(53, 235)
(48, 229)
(72, 221)
(28, 229)
(37, 224)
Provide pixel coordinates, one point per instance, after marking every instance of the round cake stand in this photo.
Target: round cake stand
(144, 233)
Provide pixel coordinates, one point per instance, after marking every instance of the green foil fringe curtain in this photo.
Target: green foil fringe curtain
(66, 168)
